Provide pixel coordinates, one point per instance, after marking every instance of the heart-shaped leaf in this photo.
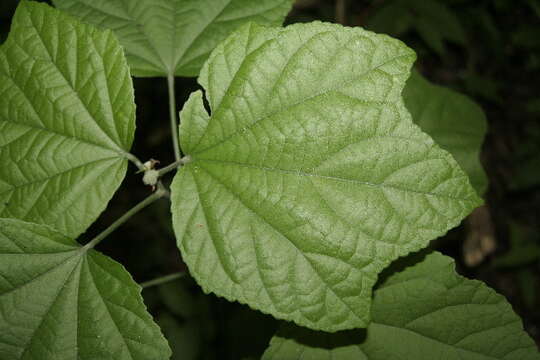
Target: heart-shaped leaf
(59, 301)
(423, 312)
(173, 37)
(67, 119)
(309, 177)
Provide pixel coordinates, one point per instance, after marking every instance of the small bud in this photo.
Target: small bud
(150, 177)
(148, 165)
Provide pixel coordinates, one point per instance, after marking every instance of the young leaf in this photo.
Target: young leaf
(454, 121)
(67, 119)
(426, 311)
(173, 37)
(59, 300)
(309, 176)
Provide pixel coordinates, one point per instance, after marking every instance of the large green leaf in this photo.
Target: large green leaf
(309, 176)
(59, 300)
(454, 121)
(425, 311)
(67, 119)
(173, 37)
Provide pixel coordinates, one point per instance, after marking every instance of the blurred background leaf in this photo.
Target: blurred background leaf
(432, 20)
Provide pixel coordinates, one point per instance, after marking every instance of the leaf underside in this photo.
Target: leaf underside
(425, 311)
(453, 120)
(67, 119)
(173, 37)
(60, 301)
(308, 177)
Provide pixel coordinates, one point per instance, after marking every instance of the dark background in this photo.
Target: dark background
(496, 62)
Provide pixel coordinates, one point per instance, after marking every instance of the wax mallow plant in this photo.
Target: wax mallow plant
(298, 183)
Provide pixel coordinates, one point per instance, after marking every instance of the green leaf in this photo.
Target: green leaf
(309, 176)
(173, 37)
(524, 249)
(184, 337)
(454, 121)
(535, 6)
(425, 311)
(59, 300)
(66, 119)
(434, 22)
(394, 18)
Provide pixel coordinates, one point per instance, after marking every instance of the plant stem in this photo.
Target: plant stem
(162, 279)
(160, 192)
(174, 165)
(172, 114)
(138, 163)
(341, 17)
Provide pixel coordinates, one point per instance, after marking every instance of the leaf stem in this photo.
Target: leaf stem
(135, 160)
(159, 193)
(172, 114)
(174, 165)
(162, 279)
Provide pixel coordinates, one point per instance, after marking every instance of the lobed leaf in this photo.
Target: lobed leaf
(424, 311)
(59, 300)
(308, 177)
(453, 120)
(173, 37)
(67, 119)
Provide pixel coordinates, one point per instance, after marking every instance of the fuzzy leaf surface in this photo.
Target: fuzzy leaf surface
(453, 120)
(67, 119)
(173, 37)
(424, 311)
(59, 301)
(308, 177)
